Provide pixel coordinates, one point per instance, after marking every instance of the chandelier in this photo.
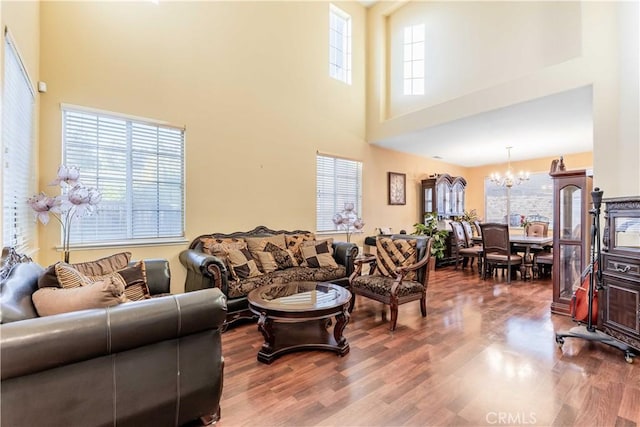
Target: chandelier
(348, 219)
(509, 178)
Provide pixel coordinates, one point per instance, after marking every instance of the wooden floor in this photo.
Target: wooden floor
(484, 355)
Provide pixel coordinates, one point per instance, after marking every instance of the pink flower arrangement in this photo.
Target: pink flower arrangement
(76, 201)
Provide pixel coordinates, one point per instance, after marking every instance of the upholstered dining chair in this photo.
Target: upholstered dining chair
(537, 229)
(463, 246)
(542, 263)
(398, 274)
(476, 224)
(497, 249)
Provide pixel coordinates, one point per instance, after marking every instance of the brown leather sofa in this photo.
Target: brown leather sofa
(153, 362)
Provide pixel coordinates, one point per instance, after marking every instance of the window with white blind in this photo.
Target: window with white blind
(18, 177)
(137, 164)
(339, 44)
(339, 181)
(413, 56)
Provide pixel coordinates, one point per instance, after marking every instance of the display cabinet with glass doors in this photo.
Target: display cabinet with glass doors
(571, 234)
(443, 195)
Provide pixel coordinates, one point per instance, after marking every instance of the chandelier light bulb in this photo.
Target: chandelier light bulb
(509, 179)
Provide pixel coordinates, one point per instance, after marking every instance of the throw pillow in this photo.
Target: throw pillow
(257, 244)
(319, 255)
(242, 264)
(133, 279)
(220, 247)
(267, 262)
(282, 257)
(104, 293)
(295, 241)
(98, 267)
(392, 254)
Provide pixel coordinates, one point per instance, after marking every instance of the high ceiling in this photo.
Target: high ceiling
(551, 126)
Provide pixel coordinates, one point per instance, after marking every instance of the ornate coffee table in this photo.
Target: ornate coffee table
(297, 316)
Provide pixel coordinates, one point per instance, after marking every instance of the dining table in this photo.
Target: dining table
(527, 243)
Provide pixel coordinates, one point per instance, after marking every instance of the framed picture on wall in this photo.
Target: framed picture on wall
(397, 188)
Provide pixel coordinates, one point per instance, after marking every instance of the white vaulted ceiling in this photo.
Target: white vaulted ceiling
(545, 127)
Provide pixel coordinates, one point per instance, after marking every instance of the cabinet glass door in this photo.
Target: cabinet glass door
(570, 242)
(428, 200)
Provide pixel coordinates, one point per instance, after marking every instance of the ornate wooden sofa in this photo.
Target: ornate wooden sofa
(207, 263)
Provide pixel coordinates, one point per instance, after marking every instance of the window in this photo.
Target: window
(413, 60)
(339, 45)
(339, 181)
(137, 164)
(532, 198)
(18, 178)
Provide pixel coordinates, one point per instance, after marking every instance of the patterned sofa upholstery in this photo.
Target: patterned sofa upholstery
(206, 270)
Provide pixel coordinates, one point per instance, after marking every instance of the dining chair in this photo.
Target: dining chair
(476, 224)
(497, 249)
(537, 229)
(463, 245)
(399, 273)
(543, 264)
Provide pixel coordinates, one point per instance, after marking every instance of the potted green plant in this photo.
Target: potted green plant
(468, 216)
(430, 228)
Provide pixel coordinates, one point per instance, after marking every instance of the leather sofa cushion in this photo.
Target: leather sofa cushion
(98, 267)
(16, 290)
(106, 293)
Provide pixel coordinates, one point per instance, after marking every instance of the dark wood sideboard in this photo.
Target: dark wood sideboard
(619, 300)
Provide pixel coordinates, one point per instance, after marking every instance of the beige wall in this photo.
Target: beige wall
(250, 82)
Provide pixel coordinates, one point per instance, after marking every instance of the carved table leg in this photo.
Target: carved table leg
(265, 326)
(341, 322)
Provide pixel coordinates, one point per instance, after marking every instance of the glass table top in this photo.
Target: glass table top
(299, 296)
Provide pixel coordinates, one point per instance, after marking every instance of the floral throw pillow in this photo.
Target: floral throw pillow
(282, 257)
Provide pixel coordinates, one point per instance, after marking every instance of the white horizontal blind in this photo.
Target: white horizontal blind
(338, 181)
(18, 178)
(139, 168)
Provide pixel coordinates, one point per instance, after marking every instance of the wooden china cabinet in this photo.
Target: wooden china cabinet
(443, 195)
(571, 234)
(619, 298)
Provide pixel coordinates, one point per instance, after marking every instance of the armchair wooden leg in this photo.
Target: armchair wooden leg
(394, 316)
(423, 305)
(353, 302)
